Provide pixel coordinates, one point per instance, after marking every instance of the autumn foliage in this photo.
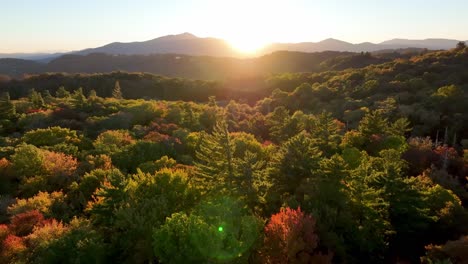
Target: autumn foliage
(290, 238)
(24, 223)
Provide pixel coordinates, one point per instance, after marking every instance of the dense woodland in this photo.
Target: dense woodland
(203, 67)
(362, 165)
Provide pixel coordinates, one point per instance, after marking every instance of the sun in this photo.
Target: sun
(246, 44)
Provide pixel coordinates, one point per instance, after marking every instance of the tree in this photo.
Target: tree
(78, 98)
(77, 242)
(219, 229)
(294, 162)
(373, 123)
(326, 131)
(45, 203)
(215, 165)
(454, 251)
(117, 92)
(23, 224)
(27, 161)
(48, 98)
(62, 93)
(461, 45)
(290, 237)
(282, 125)
(36, 99)
(112, 141)
(92, 94)
(51, 136)
(7, 108)
(130, 209)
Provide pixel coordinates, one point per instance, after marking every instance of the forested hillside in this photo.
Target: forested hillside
(203, 67)
(364, 164)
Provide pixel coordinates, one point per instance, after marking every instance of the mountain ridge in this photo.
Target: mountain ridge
(189, 44)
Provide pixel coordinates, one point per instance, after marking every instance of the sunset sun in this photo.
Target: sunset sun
(246, 44)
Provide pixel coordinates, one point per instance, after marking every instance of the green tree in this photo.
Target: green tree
(27, 161)
(117, 92)
(7, 108)
(295, 161)
(373, 123)
(62, 93)
(461, 45)
(282, 125)
(215, 165)
(130, 209)
(78, 98)
(36, 99)
(326, 131)
(218, 230)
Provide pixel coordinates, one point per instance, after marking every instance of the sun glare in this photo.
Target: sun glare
(246, 45)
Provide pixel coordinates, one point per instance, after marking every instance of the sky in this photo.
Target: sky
(66, 25)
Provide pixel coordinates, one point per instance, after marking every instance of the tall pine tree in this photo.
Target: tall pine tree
(215, 166)
(7, 108)
(117, 92)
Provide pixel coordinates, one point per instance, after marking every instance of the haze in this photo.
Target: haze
(52, 25)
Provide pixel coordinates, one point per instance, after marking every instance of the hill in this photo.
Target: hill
(185, 43)
(189, 44)
(201, 67)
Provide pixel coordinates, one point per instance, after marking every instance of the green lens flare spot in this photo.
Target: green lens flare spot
(220, 229)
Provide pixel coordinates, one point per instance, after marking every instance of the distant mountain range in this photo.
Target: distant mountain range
(189, 44)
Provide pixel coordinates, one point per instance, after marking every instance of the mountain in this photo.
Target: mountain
(434, 44)
(40, 57)
(189, 44)
(185, 43)
(18, 67)
(338, 45)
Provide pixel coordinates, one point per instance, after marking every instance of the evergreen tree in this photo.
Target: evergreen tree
(295, 162)
(215, 168)
(326, 132)
(36, 99)
(7, 108)
(282, 125)
(117, 92)
(62, 92)
(373, 123)
(78, 99)
(48, 98)
(92, 94)
(461, 45)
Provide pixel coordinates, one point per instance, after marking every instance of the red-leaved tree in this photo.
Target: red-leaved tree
(24, 223)
(290, 238)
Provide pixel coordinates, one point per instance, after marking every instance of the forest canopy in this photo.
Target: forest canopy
(360, 165)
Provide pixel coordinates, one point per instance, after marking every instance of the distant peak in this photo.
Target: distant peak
(332, 40)
(181, 36)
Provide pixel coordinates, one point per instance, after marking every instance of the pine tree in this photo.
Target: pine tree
(36, 99)
(215, 168)
(78, 98)
(7, 108)
(373, 123)
(294, 163)
(48, 98)
(92, 94)
(62, 93)
(117, 92)
(326, 132)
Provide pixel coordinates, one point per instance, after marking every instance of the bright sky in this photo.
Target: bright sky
(59, 25)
